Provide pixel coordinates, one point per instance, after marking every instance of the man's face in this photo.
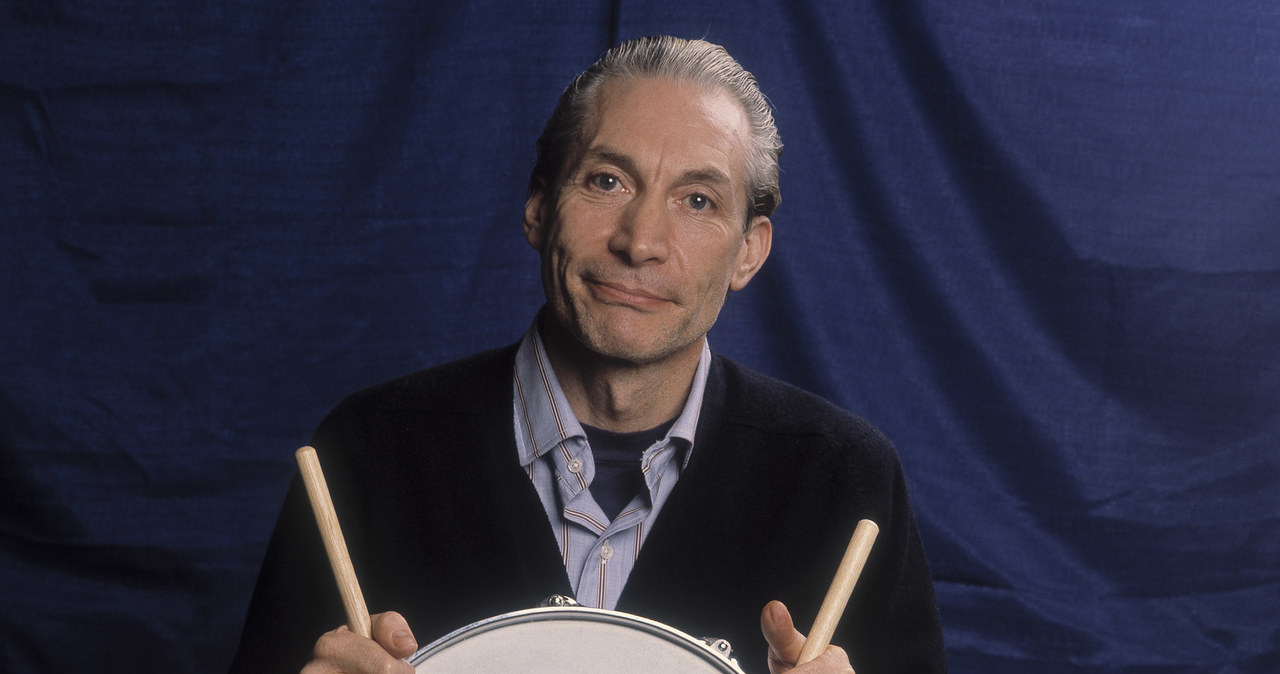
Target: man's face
(645, 238)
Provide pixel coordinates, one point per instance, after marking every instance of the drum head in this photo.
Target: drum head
(570, 640)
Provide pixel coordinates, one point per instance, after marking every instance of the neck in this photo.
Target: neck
(619, 395)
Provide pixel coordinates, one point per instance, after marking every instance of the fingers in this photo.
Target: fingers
(343, 651)
(785, 644)
(831, 661)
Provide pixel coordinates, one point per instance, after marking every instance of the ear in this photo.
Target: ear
(756, 244)
(535, 220)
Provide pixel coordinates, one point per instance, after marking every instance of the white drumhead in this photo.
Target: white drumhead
(570, 640)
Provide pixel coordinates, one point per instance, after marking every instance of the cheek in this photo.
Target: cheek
(719, 264)
(581, 230)
(555, 265)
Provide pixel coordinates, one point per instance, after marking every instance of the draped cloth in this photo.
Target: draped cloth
(1038, 244)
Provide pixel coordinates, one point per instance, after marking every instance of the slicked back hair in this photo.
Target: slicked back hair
(679, 60)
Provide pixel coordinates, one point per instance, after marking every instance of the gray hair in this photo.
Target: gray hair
(680, 60)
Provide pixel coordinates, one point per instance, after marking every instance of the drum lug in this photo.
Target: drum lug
(557, 601)
(721, 648)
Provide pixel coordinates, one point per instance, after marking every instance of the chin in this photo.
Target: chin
(624, 349)
(628, 337)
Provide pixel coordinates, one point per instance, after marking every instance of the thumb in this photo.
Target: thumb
(785, 642)
(392, 632)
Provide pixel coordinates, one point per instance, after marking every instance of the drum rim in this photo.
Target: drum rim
(702, 647)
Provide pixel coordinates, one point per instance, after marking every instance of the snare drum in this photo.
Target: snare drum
(572, 640)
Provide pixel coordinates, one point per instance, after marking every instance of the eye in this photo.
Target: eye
(604, 182)
(698, 202)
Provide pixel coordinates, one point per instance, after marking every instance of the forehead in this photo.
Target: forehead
(663, 124)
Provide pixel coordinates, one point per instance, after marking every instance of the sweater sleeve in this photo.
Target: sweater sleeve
(296, 600)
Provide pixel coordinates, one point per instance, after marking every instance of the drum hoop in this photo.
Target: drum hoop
(705, 650)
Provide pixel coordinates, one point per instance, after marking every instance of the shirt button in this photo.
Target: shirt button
(606, 551)
(575, 466)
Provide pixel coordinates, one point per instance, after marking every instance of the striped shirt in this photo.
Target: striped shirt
(598, 553)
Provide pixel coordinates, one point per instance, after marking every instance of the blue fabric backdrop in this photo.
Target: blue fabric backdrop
(1037, 243)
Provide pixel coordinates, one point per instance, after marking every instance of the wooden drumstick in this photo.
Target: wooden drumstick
(334, 544)
(855, 557)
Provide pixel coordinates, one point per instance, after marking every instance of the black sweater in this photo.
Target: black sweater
(446, 528)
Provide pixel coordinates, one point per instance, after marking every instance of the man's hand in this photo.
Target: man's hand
(349, 653)
(785, 644)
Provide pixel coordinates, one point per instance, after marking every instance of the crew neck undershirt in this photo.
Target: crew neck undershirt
(617, 456)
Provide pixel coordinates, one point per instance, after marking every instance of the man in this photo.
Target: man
(678, 485)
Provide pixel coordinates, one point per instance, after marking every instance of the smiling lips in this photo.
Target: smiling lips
(618, 292)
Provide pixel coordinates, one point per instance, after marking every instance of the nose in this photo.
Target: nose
(643, 232)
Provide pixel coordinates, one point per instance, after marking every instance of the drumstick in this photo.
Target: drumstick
(855, 557)
(334, 544)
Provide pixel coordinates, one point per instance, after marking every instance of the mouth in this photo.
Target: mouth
(619, 292)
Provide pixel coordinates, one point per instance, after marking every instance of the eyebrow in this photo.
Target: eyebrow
(611, 156)
(710, 175)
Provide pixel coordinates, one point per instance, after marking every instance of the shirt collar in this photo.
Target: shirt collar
(550, 421)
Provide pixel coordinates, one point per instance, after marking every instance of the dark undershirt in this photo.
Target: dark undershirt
(617, 457)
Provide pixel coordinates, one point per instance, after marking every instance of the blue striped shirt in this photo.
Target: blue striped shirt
(598, 553)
